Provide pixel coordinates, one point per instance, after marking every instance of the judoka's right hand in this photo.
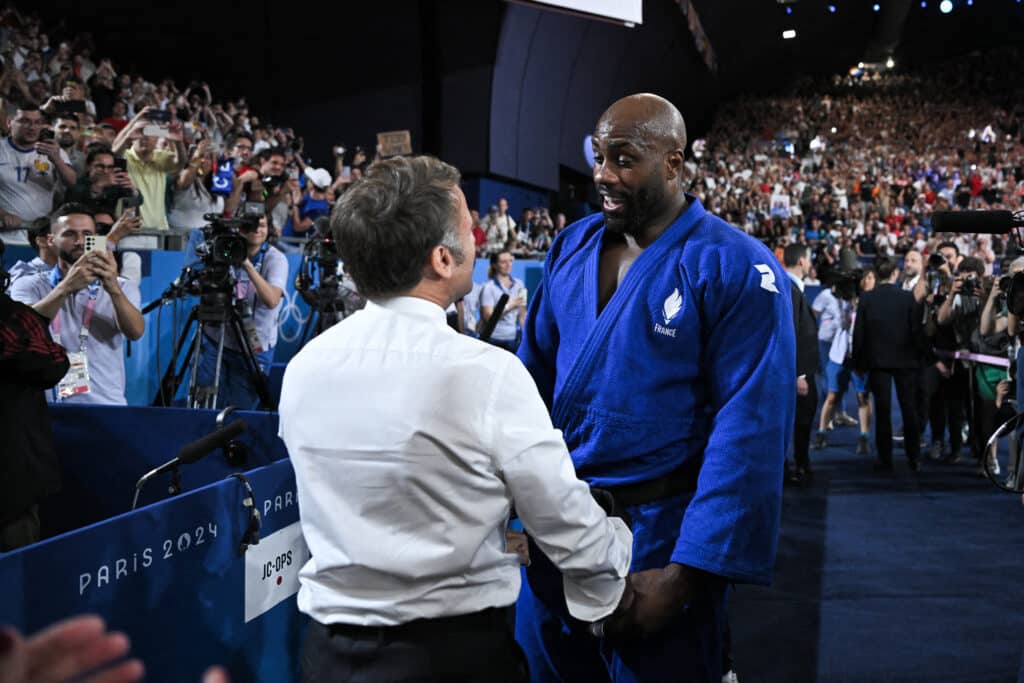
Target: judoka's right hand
(659, 596)
(618, 623)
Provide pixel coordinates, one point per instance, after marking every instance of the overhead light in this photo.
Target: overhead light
(946, 6)
(789, 34)
(860, 65)
(833, 130)
(890, 63)
(876, 7)
(924, 4)
(832, 9)
(789, 10)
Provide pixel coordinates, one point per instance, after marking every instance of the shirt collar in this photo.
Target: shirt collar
(411, 305)
(798, 281)
(10, 141)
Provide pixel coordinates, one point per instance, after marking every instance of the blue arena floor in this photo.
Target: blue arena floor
(902, 577)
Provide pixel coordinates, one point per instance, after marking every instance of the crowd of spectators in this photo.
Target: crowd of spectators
(853, 168)
(855, 165)
(81, 129)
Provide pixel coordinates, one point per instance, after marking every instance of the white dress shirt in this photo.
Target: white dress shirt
(410, 443)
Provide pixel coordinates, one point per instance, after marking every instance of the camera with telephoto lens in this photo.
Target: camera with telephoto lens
(321, 280)
(846, 283)
(1015, 294)
(272, 182)
(971, 285)
(224, 244)
(933, 275)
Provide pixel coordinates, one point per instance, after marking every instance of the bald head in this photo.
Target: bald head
(650, 121)
(639, 152)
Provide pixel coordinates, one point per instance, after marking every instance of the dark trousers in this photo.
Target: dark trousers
(947, 407)
(880, 382)
(469, 648)
(806, 407)
(929, 384)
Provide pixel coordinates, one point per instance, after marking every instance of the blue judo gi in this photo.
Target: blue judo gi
(693, 357)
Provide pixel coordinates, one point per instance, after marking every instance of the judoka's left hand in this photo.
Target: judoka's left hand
(659, 595)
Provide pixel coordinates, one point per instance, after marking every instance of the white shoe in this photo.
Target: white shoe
(730, 677)
(994, 466)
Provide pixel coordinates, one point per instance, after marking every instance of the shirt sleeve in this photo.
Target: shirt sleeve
(819, 303)
(28, 290)
(277, 269)
(488, 295)
(165, 160)
(556, 508)
(731, 527)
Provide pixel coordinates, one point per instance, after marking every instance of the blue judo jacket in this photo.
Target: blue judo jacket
(692, 357)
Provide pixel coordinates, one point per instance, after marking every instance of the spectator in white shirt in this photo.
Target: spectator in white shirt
(411, 443)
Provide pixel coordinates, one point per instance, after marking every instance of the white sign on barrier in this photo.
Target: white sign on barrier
(272, 569)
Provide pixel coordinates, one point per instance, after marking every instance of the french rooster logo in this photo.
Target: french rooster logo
(672, 306)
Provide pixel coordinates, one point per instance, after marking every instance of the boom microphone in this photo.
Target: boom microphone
(209, 443)
(189, 454)
(487, 329)
(986, 222)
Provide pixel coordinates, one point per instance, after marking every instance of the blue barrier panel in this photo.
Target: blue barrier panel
(171, 576)
(105, 449)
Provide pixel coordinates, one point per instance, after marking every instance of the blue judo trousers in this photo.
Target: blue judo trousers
(692, 358)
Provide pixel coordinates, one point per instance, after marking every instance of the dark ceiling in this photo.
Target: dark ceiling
(243, 48)
(747, 35)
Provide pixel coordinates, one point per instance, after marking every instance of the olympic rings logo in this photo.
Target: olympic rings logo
(290, 311)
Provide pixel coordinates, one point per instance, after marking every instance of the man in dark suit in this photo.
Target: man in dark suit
(888, 343)
(797, 260)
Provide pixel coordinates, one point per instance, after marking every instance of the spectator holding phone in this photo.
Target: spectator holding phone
(104, 181)
(192, 197)
(30, 172)
(66, 133)
(304, 209)
(147, 166)
(91, 310)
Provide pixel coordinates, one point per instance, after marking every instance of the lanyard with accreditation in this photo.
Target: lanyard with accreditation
(76, 381)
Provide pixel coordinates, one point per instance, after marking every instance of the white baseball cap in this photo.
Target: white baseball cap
(319, 177)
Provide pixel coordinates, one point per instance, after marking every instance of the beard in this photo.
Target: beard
(70, 257)
(638, 209)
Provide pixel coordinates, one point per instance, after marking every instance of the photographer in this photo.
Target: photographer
(261, 280)
(264, 184)
(957, 319)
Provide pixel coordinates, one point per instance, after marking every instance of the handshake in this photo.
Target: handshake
(651, 600)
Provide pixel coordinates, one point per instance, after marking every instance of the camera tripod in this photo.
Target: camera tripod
(325, 309)
(214, 308)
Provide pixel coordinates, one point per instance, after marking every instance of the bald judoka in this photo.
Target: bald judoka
(662, 340)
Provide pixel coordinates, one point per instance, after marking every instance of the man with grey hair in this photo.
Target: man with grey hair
(408, 460)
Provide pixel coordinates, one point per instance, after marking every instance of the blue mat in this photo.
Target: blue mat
(902, 577)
